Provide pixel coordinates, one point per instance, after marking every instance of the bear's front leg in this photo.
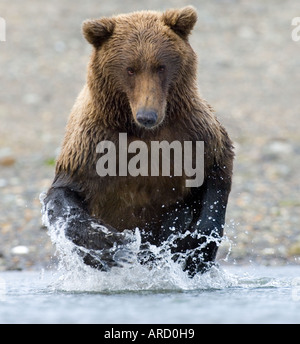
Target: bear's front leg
(200, 242)
(95, 241)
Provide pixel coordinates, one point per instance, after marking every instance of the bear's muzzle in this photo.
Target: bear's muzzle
(146, 118)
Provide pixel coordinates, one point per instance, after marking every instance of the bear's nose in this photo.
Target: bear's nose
(146, 118)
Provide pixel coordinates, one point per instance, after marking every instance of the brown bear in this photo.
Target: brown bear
(141, 81)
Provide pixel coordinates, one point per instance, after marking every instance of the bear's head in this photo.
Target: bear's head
(144, 59)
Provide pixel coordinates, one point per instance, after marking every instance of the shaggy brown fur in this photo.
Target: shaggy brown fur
(143, 62)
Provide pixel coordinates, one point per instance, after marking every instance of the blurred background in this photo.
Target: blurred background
(249, 71)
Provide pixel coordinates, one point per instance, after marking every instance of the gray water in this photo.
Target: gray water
(158, 293)
(252, 294)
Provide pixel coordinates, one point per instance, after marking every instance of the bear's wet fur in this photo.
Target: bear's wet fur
(142, 81)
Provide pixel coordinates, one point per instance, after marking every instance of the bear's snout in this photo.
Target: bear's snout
(146, 118)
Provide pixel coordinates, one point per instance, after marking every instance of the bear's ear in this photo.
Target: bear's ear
(96, 31)
(181, 21)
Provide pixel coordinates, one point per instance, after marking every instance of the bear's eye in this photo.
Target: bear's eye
(130, 71)
(161, 69)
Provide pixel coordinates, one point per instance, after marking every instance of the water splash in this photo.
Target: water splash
(164, 274)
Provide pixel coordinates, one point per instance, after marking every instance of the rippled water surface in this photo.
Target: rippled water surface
(224, 295)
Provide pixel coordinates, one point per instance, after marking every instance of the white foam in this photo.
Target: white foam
(164, 274)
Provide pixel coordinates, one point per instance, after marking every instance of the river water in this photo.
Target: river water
(230, 294)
